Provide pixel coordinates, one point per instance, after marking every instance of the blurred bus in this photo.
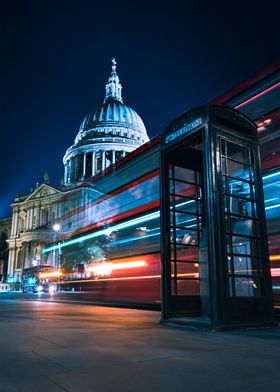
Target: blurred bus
(41, 278)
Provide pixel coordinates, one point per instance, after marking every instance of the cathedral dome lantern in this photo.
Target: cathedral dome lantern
(113, 87)
(106, 135)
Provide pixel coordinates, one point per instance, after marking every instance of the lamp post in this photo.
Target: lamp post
(57, 228)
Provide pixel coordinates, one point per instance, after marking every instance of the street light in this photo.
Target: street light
(56, 227)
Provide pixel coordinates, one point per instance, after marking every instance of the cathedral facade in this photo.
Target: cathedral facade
(106, 135)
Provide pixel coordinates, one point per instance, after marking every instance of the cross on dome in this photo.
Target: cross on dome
(113, 87)
(114, 64)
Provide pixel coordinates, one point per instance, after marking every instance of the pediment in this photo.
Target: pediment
(44, 190)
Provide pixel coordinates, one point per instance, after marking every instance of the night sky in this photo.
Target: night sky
(55, 62)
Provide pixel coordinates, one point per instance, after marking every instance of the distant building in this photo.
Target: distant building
(106, 135)
(5, 232)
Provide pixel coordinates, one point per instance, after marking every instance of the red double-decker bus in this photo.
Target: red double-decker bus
(41, 278)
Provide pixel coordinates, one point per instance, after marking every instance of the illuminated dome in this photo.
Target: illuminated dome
(113, 113)
(106, 135)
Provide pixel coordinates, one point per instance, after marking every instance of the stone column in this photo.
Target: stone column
(30, 217)
(15, 225)
(84, 164)
(72, 169)
(38, 215)
(65, 173)
(103, 159)
(11, 261)
(32, 253)
(27, 220)
(68, 172)
(17, 258)
(113, 157)
(123, 154)
(26, 258)
(93, 163)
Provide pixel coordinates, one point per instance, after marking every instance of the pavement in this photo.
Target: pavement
(47, 346)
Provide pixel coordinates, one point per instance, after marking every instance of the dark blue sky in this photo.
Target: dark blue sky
(55, 61)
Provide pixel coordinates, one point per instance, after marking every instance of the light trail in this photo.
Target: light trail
(274, 257)
(141, 277)
(271, 207)
(274, 198)
(108, 231)
(134, 239)
(106, 268)
(136, 221)
(53, 274)
(275, 271)
(257, 95)
(271, 175)
(112, 279)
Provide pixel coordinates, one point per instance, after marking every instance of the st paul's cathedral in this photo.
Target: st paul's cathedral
(106, 135)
